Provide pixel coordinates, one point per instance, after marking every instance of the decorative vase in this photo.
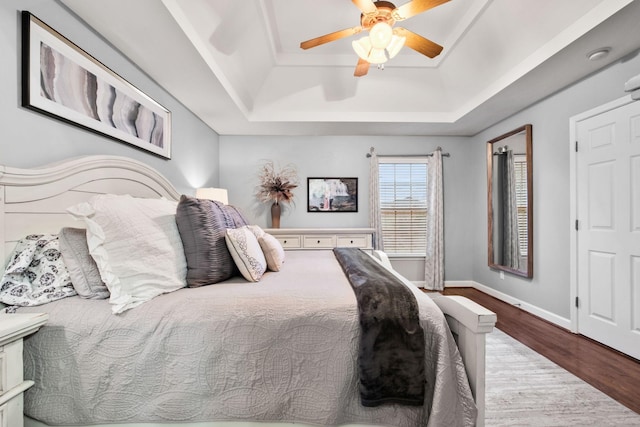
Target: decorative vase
(275, 215)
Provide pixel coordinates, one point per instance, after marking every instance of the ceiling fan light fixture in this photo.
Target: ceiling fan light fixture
(375, 48)
(381, 35)
(383, 41)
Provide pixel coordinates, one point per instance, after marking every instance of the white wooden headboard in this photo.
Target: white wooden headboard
(35, 200)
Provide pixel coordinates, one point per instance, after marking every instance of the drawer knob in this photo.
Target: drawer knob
(352, 242)
(318, 241)
(285, 242)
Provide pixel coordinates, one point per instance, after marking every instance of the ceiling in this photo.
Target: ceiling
(238, 66)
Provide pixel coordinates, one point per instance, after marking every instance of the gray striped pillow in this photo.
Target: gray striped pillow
(236, 215)
(202, 225)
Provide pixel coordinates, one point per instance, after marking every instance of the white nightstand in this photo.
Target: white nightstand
(323, 238)
(13, 327)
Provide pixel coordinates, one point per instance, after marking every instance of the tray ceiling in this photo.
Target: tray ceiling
(238, 65)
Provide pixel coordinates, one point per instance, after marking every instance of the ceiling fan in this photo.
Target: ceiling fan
(384, 41)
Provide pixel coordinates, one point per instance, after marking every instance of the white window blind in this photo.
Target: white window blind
(403, 205)
(521, 203)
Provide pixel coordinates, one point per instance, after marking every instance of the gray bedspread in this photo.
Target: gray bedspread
(282, 349)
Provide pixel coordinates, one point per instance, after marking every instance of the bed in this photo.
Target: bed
(282, 351)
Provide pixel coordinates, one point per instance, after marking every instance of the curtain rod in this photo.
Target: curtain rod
(410, 155)
(495, 153)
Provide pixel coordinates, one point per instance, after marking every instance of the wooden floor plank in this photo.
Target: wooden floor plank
(608, 370)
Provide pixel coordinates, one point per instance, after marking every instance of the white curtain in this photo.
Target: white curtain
(374, 201)
(434, 261)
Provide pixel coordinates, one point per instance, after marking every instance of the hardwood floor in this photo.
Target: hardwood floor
(610, 371)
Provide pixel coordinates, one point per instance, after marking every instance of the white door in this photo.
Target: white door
(608, 229)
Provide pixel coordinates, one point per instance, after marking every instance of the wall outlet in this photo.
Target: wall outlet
(502, 275)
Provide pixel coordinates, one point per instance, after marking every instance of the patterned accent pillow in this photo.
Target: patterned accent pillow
(36, 273)
(83, 270)
(246, 253)
(273, 251)
(202, 225)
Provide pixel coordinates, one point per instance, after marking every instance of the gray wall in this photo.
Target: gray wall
(32, 139)
(316, 156)
(549, 288)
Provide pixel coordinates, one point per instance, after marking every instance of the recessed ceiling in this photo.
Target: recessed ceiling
(238, 65)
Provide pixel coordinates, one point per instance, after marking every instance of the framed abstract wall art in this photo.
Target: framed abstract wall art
(63, 81)
(332, 194)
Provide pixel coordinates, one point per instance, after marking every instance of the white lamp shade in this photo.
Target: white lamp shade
(362, 47)
(377, 56)
(369, 53)
(396, 44)
(210, 193)
(380, 35)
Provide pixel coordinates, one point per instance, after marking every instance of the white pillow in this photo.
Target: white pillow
(136, 245)
(246, 253)
(273, 251)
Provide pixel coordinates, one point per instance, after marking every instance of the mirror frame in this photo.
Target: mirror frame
(528, 129)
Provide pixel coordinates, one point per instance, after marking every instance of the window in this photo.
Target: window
(520, 167)
(403, 205)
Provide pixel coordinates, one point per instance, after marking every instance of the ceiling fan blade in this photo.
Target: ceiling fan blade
(362, 68)
(419, 43)
(366, 6)
(415, 7)
(330, 37)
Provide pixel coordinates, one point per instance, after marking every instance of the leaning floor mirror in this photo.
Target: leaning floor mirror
(510, 202)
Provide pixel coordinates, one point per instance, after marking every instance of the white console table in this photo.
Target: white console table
(13, 327)
(323, 238)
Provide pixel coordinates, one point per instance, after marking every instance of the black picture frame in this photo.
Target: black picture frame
(86, 93)
(332, 194)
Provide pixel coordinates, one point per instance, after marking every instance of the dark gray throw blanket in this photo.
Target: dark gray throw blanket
(392, 344)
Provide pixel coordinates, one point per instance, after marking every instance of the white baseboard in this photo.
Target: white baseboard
(460, 284)
(530, 308)
(449, 284)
